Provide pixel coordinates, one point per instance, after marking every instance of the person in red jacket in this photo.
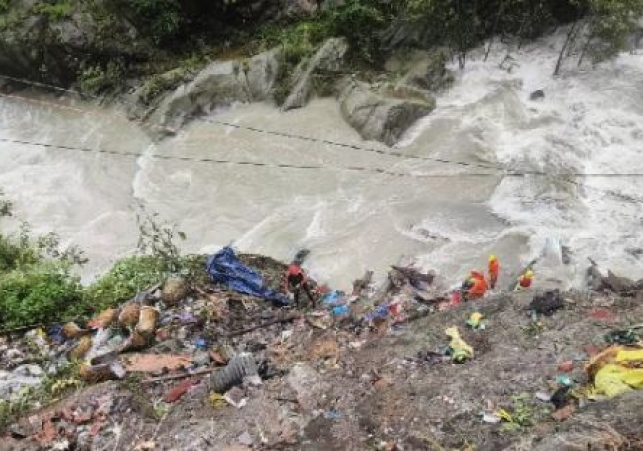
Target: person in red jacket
(475, 286)
(296, 281)
(494, 270)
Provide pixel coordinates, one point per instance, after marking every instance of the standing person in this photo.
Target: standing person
(494, 270)
(525, 280)
(296, 281)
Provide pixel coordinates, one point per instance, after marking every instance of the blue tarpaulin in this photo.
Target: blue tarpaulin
(224, 267)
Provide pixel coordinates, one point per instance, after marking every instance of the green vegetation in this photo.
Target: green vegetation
(38, 284)
(99, 79)
(54, 12)
(161, 18)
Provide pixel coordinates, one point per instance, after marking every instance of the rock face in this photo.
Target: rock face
(329, 58)
(34, 44)
(430, 72)
(385, 115)
(220, 84)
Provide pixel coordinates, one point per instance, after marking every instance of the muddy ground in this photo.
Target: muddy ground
(344, 388)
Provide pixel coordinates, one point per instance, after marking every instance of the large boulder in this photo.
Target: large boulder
(220, 84)
(384, 114)
(329, 58)
(429, 72)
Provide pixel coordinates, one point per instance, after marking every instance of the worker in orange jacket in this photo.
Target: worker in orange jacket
(494, 270)
(526, 280)
(475, 286)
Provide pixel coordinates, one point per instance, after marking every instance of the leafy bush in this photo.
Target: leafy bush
(40, 293)
(54, 12)
(99, 79)
(161, 17)
(361, 22)
(126, 278)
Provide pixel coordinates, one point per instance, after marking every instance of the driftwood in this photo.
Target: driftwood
(176, 376)
(283, 319)
(414, 276)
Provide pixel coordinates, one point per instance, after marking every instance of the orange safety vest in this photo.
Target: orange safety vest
(494, 270)
(479, 285)
(525, 282)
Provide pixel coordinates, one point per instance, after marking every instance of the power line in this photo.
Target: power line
(249, 128)
(565, 177)
(241, 162)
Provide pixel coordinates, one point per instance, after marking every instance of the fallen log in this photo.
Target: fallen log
(176, 376)
(283, 319)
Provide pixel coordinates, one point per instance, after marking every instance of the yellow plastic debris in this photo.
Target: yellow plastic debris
(613, 380)
(475, 320)
(217, 400)
(460, 350)
(614, 371)
(504, 415)
(629, 355)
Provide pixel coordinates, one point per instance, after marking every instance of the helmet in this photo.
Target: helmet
(493, 258)
(529, 274)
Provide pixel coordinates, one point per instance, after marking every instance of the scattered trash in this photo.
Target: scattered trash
(561, 397)
(491, 418)
(175, 289)
(547, 303)
(332, 415)
(217, 400)
(153, 363)
(566, 367)
(623, 337)
(201, 343)
(475, 321)
(179, 390)
(616, 371)
(459, 350)
(240, 367)
(224, 267)
(565, 381)
(602, 314)
(235, 397)
(564, 413)
(543, 396)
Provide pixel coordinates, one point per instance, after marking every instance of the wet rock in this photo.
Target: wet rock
(175, 289)
(382, 116)
(430, 72)
(220, 84)
(201, 358)
(537, 95)
(618, 284)
(307, 384)
(261, 74)
(329, 58)
(29, 370)
(245, 439)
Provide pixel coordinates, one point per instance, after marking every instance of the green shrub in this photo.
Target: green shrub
(39, 293)
(54, 12)
(126, 278)
(99, 79)
(161, 17)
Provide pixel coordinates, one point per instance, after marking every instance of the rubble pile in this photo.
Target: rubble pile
(402, 365)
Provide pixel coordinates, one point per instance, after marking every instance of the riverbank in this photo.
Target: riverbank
(373, 378)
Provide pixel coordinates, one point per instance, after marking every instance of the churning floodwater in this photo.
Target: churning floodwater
(590, 121)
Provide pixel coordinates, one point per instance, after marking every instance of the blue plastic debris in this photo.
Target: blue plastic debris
(224, 267)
